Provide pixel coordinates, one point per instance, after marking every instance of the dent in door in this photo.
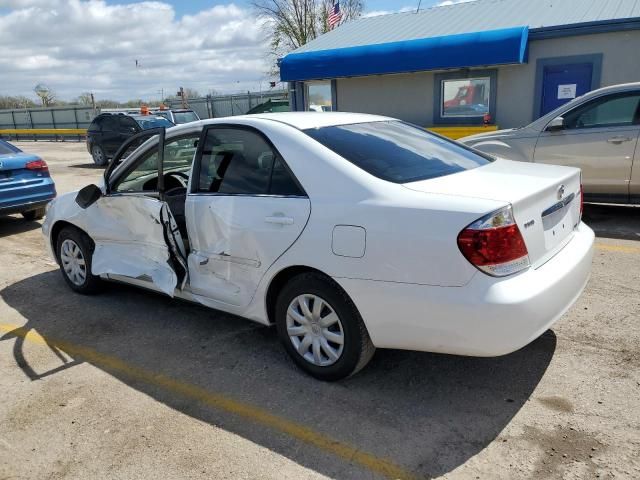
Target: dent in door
(236, 241)
(129, 239)
(227, 242)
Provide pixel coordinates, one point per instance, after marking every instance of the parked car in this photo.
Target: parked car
(349, 232)
(597, 132)
(107, 132)
(178, 116)
(25, 184)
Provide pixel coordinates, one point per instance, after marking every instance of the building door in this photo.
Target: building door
(562, 83)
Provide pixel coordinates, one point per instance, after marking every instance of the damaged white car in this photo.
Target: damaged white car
(347, 231)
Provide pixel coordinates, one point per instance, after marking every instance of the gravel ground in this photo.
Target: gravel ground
(129, 384)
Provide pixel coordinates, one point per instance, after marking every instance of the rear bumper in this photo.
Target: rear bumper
(22, 199)
(487, 317)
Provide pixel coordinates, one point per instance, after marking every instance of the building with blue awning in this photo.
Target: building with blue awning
(505, 62)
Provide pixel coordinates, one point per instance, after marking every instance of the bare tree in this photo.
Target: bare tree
(16, 102)
(293, 23)
(85, 98)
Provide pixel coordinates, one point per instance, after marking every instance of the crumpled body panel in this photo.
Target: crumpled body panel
(130, 240)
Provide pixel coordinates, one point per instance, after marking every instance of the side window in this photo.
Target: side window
(96, 125)
(612, 111)
(127, 125)
(240, 161)
(282, 183)
(178, 157)
(109, 124)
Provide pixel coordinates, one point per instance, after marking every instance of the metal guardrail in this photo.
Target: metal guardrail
(43, 133)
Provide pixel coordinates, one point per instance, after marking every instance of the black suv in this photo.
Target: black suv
(110, 130)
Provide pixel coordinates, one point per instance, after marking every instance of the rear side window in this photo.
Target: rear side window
(185, 117)
(396, 151)
(612, 111)
(238, 161)
(7, 148)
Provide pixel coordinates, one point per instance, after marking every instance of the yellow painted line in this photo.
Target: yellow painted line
(221, 402)
(455, 133)
(43, 131)
(617, 248)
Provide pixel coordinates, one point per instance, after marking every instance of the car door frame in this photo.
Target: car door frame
(171, 236)
(211, 300)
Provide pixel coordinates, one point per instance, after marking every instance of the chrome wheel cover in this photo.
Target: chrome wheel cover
(315, 330)
(73, 262)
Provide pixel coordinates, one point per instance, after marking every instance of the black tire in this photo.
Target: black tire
(357, 347)
(91, 283)
(32, 215)
(99, 156)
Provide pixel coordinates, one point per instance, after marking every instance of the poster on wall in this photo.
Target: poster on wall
(567, 91)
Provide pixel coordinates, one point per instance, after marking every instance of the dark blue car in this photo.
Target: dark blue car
(25, 184)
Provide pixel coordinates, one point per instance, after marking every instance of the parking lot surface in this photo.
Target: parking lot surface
(129, 384)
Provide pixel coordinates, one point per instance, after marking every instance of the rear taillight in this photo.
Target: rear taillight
(39, 165)
(494, 244)
(581, 200)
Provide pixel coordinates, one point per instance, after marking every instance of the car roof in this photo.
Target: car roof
(305, 120)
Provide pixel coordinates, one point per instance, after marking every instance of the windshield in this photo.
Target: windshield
(7, 149)
(396, 151)
(185, 117)
(153, 122)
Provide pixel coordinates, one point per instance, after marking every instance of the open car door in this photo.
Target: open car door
(134, 231)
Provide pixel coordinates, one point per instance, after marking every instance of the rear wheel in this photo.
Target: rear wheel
(99, 157)
(36, 214)
(321, 328)
(75, 249)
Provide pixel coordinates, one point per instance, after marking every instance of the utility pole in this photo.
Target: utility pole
(182, 97)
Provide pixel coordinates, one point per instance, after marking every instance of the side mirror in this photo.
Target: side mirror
(88, 196)
(556, 125)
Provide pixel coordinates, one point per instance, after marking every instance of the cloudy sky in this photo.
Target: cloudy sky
(75, 46)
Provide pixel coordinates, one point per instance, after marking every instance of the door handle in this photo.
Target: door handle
(279, 220)
(619, 139)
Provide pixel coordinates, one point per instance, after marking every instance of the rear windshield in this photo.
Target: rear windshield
(185, 117)
(147, 123)
(396, 151)
(7, 148)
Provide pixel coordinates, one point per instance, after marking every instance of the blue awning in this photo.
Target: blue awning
(494, 47)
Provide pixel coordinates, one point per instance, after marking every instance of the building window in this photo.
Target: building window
(318, 96)
(465, 97)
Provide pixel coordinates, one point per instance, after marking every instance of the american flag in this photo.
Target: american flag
(335, 15)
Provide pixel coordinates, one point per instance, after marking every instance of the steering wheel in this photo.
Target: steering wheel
(181, 177)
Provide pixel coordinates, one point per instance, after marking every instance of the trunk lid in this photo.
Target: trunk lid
(545, 199)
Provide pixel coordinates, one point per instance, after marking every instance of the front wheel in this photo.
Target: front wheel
(75, 249)
(321, 328)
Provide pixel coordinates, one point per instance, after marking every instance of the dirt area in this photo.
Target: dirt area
(129, 384)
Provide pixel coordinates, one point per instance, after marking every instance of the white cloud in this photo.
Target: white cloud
(88, 45)
(446, 3)
(375, 13)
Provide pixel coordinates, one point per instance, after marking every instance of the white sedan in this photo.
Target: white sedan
(349, 232)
